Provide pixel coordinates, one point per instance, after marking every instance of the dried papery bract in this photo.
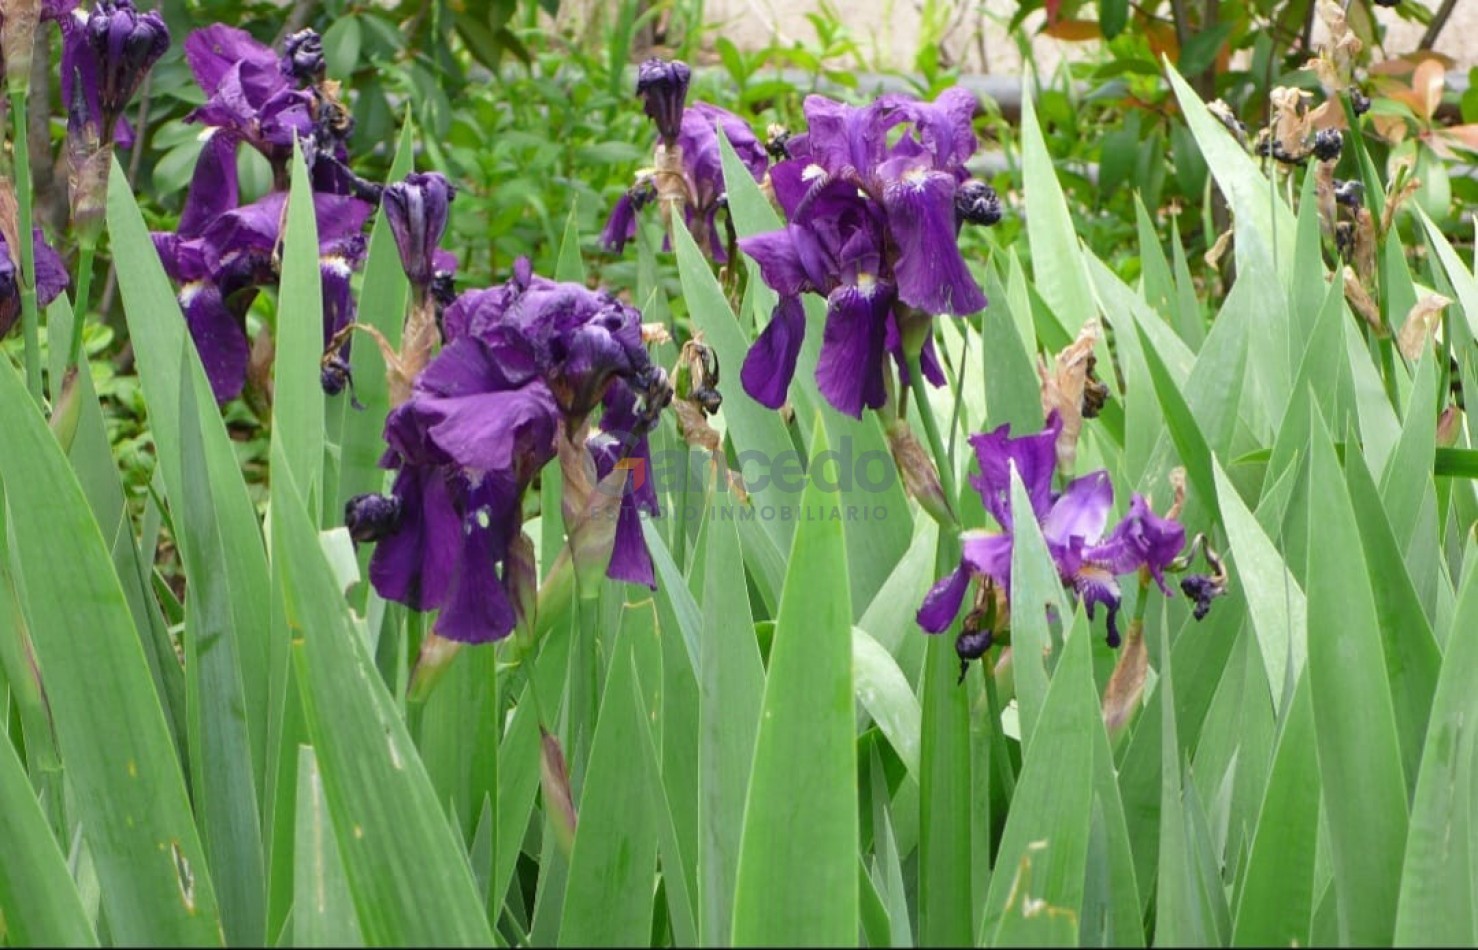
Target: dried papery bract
(1125, 687)
(1360, 299)
(1337, 54)
(1063, 387)
(1292, 126)
(1421, 325)
(919, 473)
(18, 22)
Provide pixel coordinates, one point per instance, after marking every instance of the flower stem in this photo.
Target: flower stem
(931, 431)
(584, 684)
(79, 303)
(27, 250)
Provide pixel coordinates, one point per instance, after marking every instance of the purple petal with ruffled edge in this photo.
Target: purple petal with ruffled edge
(483, 420)
(770, 364)
(215, 49)
(944, 127)
(702, 159)
(841, 137)
(779, 257)
(219, 338)
(792, 181)
(931, 273)
(1081, 511)
(1036, 459)
(1141, 539)
(988, 555)
(247, 92)
(849, 372)
(341, 221)
(942, 604)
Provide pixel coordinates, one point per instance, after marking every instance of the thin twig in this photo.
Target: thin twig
(1439, 20)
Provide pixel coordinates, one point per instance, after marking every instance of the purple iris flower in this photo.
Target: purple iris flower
(417, 212)
(521, 361)
(222, 254)
(479, 425)
(872, 226)
(105, 55)
(248, 93)
(1073, 523)
(51, 278)
(703, 178)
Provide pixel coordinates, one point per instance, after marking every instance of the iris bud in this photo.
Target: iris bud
(125, 44)
(417, 211)
(663, 88)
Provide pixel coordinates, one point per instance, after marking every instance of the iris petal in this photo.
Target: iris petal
(849, 372)
(770, 363)
(942, 604)
(930, 271)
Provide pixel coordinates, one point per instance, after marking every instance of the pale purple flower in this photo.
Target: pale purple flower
(1073, 523)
